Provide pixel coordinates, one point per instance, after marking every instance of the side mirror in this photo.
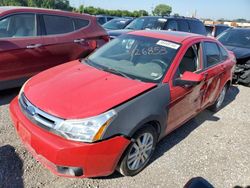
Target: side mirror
(189, 79)
(198, 182)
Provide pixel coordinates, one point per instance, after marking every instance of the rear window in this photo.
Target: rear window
(197, 27)
(58, 24)
(80, 23)
(224, 54)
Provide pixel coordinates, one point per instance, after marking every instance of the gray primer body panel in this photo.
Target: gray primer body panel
(132, 115)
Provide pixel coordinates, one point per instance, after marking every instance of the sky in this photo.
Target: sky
(214, 9)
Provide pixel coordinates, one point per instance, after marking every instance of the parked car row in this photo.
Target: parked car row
(173, 23)
(108, 110)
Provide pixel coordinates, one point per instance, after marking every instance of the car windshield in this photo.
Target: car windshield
(116, 24)
(147, 23)
(236, 37)
(135, 57)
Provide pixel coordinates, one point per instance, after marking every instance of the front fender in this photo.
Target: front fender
(135, 113)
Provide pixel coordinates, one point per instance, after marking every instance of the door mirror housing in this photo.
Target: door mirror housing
(188, 79)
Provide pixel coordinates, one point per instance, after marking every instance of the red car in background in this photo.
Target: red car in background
(32, 40)
(87, 118)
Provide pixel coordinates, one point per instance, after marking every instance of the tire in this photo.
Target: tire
(136, 157)
(218, 103)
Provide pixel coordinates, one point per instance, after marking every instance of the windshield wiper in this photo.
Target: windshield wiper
(114, 71)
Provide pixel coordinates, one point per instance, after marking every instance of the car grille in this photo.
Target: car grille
(38, 116)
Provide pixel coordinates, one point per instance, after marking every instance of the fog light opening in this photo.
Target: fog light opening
(72, 171)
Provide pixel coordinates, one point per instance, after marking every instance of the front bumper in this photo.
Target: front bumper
(95, 159)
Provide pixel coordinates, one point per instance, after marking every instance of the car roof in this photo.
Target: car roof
(172, 17)
(175, 36)
(12, 9)
(238, 28)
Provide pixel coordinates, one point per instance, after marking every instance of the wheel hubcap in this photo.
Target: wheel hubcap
(140, 151)
(221, 98)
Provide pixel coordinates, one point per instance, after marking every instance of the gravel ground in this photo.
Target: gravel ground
(214, 146)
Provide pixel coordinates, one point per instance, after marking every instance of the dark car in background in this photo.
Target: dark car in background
(117, 23)
(238, 41)
(173, 23)
(32, 40)
(215, 30)
(102, 19)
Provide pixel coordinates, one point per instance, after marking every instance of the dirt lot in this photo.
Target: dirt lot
(214, 146)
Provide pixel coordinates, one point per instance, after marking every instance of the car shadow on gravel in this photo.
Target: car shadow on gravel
(7, 96)
(11, 168)
(181, 133)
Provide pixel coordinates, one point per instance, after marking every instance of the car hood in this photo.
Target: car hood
(239, 51)
(76, 90)
(118, 32)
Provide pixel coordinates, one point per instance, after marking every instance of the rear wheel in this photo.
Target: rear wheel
(218, 103)
(139, 152)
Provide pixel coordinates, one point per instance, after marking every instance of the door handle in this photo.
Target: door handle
(32, 46)
(79, 40)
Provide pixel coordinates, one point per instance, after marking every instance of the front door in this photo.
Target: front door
(20, 47)
(185, 101)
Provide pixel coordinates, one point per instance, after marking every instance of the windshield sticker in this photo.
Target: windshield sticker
(168, 44)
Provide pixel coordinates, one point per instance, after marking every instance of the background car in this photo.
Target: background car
(173, 23)
(117, 23)
(32, 40)
(102, 19)
(238, 41)
(108, 111)
(215, 30)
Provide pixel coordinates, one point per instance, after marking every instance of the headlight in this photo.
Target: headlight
(85, 130)
(22, 88)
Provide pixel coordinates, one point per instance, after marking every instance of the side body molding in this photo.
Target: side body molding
(132, 115)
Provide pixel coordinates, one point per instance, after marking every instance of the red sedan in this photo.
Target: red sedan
(32, 40)
(87, 118)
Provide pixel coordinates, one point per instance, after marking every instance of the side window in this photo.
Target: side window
(224, 54)
(80, 23)
(197, 27)
(183, 26)
(172, 25)
(212, 54)
(101, 20)
(109, 18)
(190, 61)
(18, 25)
(57, 24)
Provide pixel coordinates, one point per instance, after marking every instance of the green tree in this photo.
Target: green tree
(143, 13)
(162, 9)
(81, 9)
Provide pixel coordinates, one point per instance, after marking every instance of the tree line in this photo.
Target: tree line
(51, 4)
(65, 5)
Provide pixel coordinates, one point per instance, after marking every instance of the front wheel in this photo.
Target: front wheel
(139, 152)
(218, 103)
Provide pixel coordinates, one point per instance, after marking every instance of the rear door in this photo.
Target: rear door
(62, 40)
(20, 46)
(214, 70)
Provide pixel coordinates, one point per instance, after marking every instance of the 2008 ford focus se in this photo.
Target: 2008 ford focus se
(107, 112)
